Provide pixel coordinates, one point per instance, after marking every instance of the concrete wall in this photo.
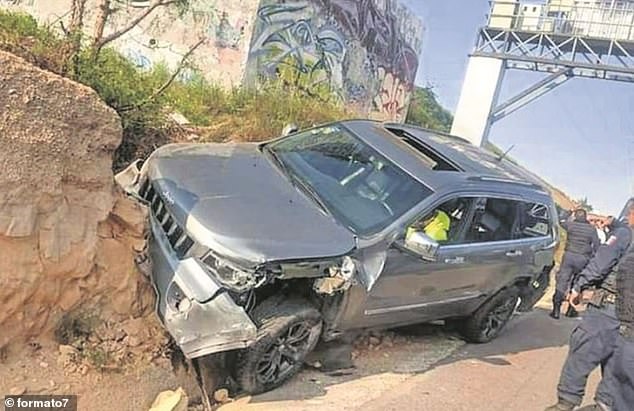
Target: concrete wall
(165, 36)
(362, 52)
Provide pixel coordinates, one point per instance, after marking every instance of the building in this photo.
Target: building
(362, 52)
(605, 19)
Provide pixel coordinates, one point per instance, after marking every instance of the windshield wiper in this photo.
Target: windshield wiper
(308, 189)
(280, 163)
(296, 181)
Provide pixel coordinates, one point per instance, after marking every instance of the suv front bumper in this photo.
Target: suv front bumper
(207, 327)
(212, 321)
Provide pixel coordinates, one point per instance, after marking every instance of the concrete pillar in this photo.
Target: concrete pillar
(478, 97)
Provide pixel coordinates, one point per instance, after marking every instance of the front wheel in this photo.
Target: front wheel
(490, 319)
(287, 332)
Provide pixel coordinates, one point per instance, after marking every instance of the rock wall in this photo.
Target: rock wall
(66, 235)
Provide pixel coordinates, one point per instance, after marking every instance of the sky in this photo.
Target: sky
(579, 137)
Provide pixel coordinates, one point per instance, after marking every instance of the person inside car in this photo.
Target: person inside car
(435, 226)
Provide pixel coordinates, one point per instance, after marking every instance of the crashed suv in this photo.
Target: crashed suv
(264, 249)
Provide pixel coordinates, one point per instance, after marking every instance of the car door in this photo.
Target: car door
(484, 257)
(410, 287)
(497, 254)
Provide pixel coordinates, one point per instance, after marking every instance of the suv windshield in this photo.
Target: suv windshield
(357, 185)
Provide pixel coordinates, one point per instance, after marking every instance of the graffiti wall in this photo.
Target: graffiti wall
(168, 33)
(363, 52)
(166, 36)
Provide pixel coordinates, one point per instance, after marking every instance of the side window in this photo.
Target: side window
(534, 220)
(444, 224)
(495, 220)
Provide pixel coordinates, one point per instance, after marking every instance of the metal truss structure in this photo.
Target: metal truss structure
(609, 59)
(565, 56)
(560, 37)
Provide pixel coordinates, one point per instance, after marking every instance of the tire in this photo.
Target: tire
(287, 332)
(490, 319)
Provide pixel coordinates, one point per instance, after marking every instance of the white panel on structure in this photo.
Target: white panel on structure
(478, 96)
(503, 13)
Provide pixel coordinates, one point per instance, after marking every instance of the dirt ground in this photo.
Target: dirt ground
(383, 362)
(384, 359)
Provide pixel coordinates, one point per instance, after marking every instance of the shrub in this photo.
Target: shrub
(216, 113)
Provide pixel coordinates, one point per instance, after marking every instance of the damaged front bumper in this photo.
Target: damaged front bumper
(199, 326)
(194, 308)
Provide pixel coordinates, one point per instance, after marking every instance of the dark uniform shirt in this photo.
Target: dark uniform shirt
(625, 288)
(581, 238)
(606, 258)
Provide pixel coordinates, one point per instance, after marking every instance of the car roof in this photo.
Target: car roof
(473, 166)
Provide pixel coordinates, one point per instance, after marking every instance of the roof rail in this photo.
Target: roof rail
(494, 179)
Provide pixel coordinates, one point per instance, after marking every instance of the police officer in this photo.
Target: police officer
(593, 340)
(622, 389)
(581, 244)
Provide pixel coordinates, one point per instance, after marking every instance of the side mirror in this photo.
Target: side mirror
(290, 129)
(421, 244)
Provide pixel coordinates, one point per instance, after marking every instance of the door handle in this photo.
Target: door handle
(455, 260)
(514, 253)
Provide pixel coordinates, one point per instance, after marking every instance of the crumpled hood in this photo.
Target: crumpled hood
(234, 200)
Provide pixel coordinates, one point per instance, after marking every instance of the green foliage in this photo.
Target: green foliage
(215, 113)
(20, 34)
(425, 111)
(248, 114)
(125, 88)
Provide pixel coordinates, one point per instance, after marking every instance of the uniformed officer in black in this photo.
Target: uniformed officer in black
(622, 389)
(593, 340)
(581, 244)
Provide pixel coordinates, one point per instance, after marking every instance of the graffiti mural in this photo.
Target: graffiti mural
(362, 51)
(166, 36)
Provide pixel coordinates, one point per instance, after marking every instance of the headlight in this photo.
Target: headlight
(233, 277)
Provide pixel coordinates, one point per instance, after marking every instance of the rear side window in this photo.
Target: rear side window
(534, 220)
(494, 220)
(498, 219)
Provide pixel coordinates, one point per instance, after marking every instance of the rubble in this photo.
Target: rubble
(17, 390)
(222, 396)
(170, 401)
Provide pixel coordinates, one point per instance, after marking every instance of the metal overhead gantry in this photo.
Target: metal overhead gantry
(564, 38)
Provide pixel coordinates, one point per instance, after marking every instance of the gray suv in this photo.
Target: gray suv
(264, 249)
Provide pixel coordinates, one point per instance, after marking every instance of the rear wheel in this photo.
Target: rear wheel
(490, 319)
(287, 332)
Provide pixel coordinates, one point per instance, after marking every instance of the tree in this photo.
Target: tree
(425, 111)
(583, 203)
(99, 40)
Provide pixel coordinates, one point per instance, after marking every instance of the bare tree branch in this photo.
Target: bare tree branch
(169, 81)
(102, 41)
(100, 25)
(64, 29)
(77, 16)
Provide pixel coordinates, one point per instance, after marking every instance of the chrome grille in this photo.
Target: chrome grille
(181, 243)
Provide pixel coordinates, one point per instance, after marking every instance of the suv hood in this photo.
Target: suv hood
(232, 199)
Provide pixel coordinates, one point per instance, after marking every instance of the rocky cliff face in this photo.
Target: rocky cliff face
(67, 236)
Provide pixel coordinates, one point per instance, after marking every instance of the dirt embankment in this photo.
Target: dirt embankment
(67, 236)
